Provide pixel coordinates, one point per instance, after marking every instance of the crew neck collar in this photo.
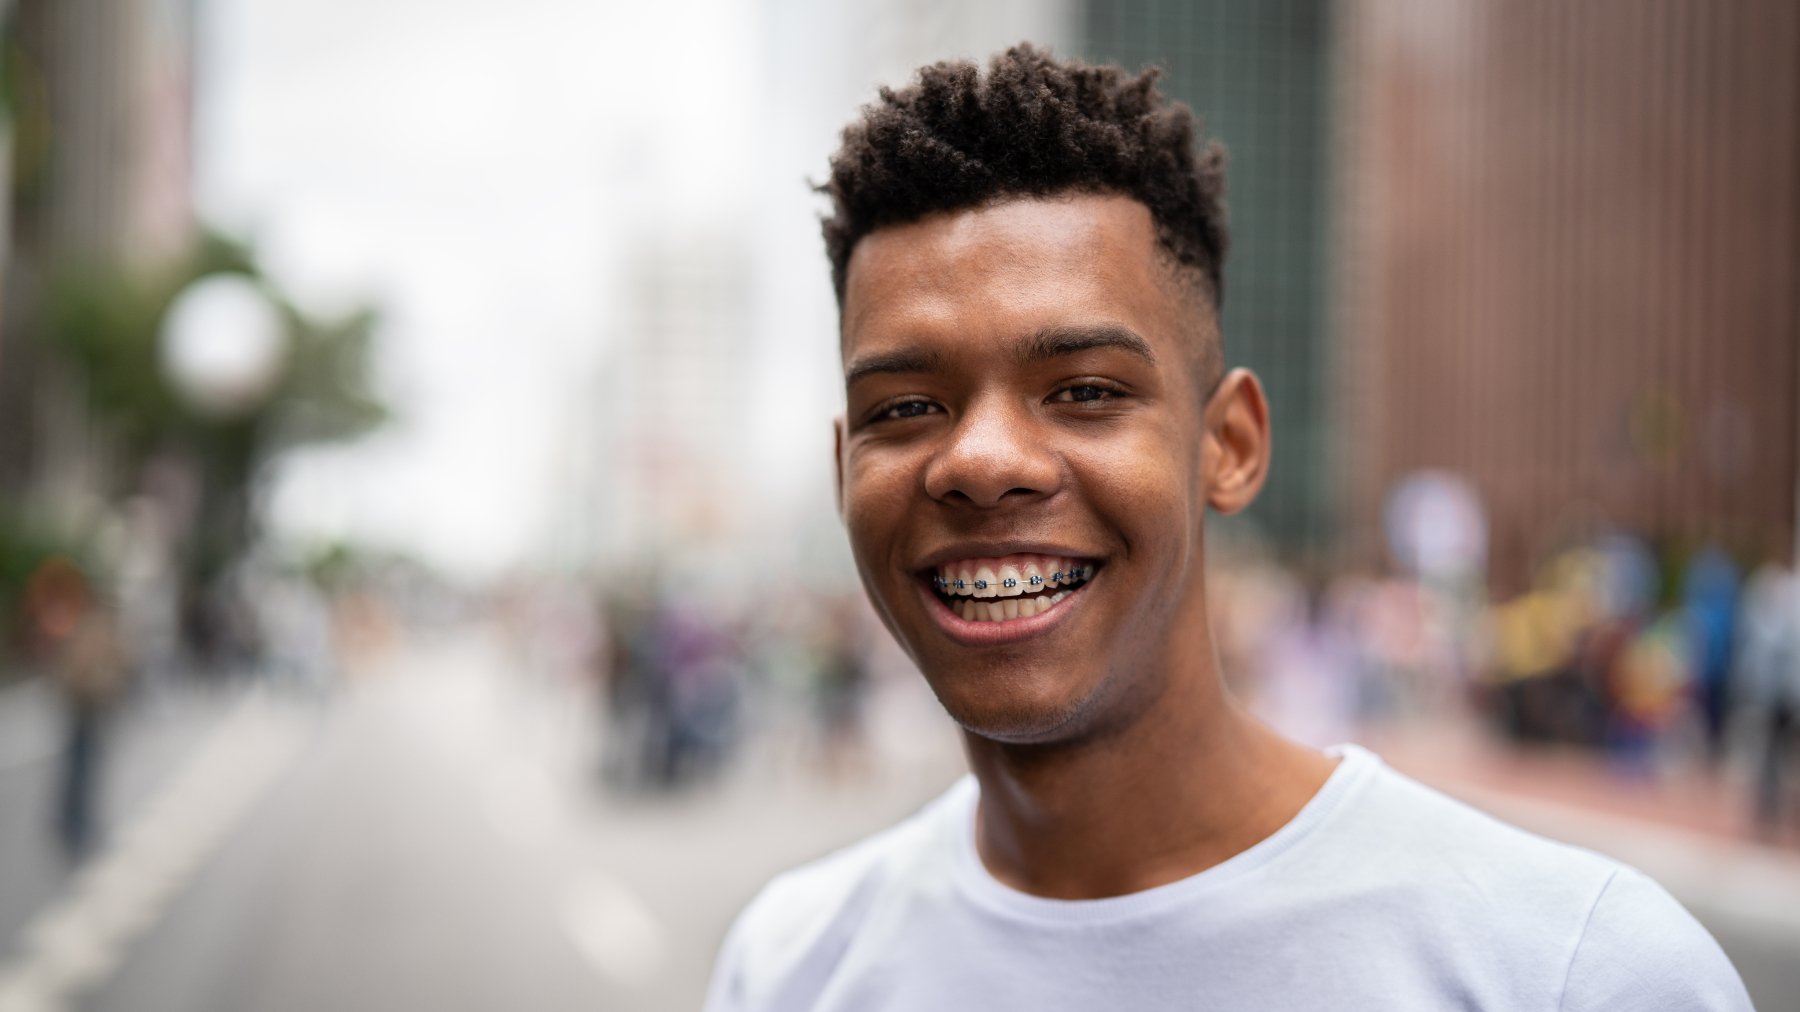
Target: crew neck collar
(1353, 768)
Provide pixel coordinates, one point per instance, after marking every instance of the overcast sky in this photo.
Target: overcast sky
(452, 162)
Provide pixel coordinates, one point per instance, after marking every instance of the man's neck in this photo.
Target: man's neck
(1194, 781)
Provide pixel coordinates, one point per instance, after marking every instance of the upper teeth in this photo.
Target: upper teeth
(1008, 577)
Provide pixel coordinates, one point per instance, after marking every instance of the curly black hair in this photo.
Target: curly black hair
(1034, 126)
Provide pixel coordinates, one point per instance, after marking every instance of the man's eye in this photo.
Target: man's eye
(1082, 392)
(904, 409)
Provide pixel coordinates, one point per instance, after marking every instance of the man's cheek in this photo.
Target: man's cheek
(863, 524)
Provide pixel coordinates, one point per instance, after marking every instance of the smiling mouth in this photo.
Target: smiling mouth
(1011, 587)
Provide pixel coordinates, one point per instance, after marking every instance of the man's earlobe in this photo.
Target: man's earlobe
(1237, 438)
(837, 462)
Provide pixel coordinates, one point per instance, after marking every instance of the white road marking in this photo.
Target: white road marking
(79, 941)
(615, 931)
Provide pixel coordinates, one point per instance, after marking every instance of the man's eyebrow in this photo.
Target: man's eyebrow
(909, 360)
(1055, 342)
(1046, 344)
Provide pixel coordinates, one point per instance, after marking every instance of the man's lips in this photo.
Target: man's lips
(1002, 619)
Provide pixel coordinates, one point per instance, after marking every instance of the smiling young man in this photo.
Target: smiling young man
(1038, 419)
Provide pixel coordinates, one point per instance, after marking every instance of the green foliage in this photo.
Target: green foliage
(106, 329)
(25, 544)
(325, 394)
(107, 325)
(10, 69)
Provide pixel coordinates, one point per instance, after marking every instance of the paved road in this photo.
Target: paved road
(430, 839)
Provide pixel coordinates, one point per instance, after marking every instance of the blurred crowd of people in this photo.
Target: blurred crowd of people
(1650, 660)
(687, 671)
(1656, 658)
(686, 676)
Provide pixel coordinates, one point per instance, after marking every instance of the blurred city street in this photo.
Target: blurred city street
(434, 836)
(423, 577)
(431, 838)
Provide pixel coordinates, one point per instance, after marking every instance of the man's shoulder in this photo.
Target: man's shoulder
(1640, 948)
(1614, 933)
(1419, 861)
(1435, 834)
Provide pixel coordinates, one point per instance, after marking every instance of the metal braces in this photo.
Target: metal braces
(1074, 574)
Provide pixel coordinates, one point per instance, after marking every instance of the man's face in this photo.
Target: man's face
(1024, 400)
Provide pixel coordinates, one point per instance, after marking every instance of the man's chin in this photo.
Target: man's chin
(1014, 714)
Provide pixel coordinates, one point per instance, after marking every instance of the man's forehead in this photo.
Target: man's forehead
(990, 252)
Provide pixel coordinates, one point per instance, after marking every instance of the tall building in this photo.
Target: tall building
(1570, 266)
(1551, 247)
(101, 98)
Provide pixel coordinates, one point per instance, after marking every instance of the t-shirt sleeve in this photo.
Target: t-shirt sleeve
(726, 993)
(1641, 950)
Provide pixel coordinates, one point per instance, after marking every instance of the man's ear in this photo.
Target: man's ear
(1236, 443)
(837, 461)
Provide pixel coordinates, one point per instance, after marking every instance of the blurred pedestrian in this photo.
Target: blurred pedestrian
(842, 685)
(696, 689)
(1768, 681)
(1709, 595)
(1652, 692)
(80, 632)
(630, 680)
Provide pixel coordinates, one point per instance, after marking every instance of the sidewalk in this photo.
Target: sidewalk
(1712, 803)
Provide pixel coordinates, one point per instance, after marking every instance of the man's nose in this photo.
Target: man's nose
(996, 450)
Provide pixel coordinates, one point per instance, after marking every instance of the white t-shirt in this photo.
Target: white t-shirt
(1380, 894)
